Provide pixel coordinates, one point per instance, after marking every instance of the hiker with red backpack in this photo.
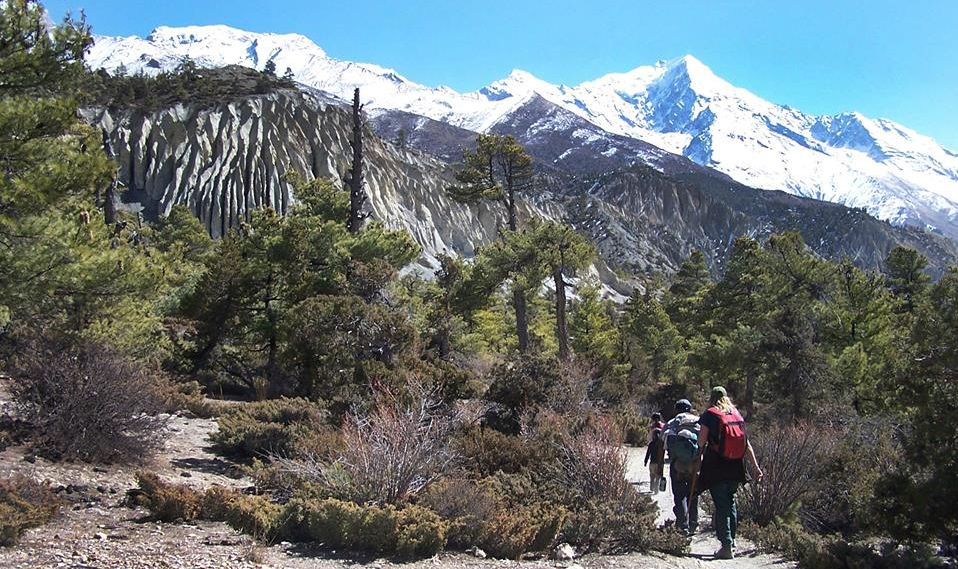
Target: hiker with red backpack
(724, 450)
(681, 437)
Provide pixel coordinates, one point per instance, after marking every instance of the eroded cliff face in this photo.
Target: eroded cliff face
(224, 160)
(229, 159)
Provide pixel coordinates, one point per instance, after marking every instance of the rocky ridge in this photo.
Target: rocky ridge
(225, 159)
(678, 105)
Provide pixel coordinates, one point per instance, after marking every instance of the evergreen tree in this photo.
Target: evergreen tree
(64, 271)
(267, 277)
(592, 328)
(49, 157)
(499, 170)
(655, 345)
(734, 310)
(441, 313)
(916, 501)
(512, 257)
(906, 275)
(689, 286)
(561, 251)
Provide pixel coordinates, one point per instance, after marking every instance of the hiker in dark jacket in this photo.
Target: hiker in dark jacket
(654, 459)
(681, 440)
(656, 423)
(724, 452)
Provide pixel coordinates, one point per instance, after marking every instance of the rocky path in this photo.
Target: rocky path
(704, 543)
(96, 530)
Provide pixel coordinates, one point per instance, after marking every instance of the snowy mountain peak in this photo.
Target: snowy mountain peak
(518, 83)
(679, 105)
(226, 37)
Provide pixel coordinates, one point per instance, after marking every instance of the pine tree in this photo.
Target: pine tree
(906, 275)
(689, 286)
(561, 251)
(64, 271)
(48, 155)
(593, 331)
(655, 344)
(499, 170)
(442, 314)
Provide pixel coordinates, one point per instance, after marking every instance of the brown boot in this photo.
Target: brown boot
(725, 552)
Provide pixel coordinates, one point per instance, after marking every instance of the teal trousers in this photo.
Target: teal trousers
(725, 518)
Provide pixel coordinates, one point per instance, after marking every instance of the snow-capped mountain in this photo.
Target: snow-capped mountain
(680, 106)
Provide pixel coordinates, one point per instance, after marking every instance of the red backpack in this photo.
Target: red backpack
(731, 434)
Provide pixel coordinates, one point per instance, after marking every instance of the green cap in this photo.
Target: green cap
(718, 392)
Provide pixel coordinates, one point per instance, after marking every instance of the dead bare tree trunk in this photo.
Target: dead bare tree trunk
(357, 194)
(109, 199)
(562, 328)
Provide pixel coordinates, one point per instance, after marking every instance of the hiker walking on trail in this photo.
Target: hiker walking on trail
(725, 449)
(657, 423)
(655, 460)
(681, 437)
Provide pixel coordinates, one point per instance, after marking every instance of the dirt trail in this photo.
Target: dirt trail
(704, 543)
(97, 531)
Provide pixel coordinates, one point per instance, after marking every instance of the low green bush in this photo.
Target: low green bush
(619, 526)
(283, 427)
(422, 533)
(512, 530)
(410, 531)
(24, 504)
(168, 502)
(505, 515)
(813, 551)
(188, 396)
(257, 516)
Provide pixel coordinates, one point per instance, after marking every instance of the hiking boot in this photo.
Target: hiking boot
(725, 552)
(691, 531)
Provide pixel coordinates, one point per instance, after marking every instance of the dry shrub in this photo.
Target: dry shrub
(392, 452)
(24, 504)
(487, 451)
(593, 462)
(465, 505)
(866, 454)
(791, 457)
(188, 396)
(503, 515)
(89, 402)
(620, 525)
(813, 551)
(168, 502)
(517, 529)
(286, 427)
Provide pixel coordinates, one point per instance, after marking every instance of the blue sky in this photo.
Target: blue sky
(885, 58)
